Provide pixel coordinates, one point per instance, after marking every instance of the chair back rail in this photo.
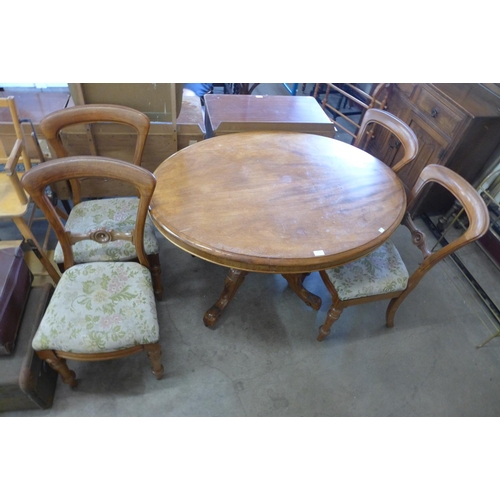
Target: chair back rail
(67, 169)
(385, 279)
(356, 97)
(396, 126)
(86, 114)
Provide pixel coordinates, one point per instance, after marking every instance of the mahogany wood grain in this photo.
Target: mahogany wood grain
(276, 202)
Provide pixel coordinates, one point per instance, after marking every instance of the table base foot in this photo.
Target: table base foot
(234, 279)
(295, 283)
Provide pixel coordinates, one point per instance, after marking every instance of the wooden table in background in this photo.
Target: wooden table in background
(275, 202)
(226, 114)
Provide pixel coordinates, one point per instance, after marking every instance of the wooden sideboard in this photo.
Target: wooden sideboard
(457, 125)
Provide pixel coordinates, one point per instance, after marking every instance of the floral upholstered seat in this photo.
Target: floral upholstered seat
(382, 275)
(100, 307)
(381, 271)
(103, 214)
(112, 213)
(99, 310)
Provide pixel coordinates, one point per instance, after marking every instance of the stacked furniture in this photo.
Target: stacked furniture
(457, 125)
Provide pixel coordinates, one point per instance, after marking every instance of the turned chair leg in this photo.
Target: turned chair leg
(332, 316)
(154, 262)
(59, 365)
(154, 354)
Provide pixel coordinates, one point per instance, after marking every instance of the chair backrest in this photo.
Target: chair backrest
(396, 126)
(354, 96)
(18, 154)
(66, 169)
(467, 196)
(9, 102)
(54, 124)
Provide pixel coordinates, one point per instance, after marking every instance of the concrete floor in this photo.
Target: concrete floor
(262, 357)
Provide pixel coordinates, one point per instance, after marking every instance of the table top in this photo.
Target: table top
(277, 202)
(225, 114)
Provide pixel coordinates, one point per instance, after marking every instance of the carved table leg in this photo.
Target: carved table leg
(295, 283)
(234, 279)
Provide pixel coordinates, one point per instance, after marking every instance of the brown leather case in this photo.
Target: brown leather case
(15, 283)
(27, 382)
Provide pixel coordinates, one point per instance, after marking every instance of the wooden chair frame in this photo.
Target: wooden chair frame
(66, 169)
(377, 99)
(19, 205)
(87, 114)
(477, 214)
(396, 126)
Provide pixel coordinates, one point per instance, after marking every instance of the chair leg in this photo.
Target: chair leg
(154, 354)
(392, 308)
(59, 365)
(154, 262)
(332, 316)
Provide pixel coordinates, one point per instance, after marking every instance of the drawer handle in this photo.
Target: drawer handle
(434, 113)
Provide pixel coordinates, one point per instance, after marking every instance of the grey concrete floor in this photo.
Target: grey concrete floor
(262, 358)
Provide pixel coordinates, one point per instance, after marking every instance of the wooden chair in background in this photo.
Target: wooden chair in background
(99, 310)
(382, 274)
(116, 206)
(403, 133)
(14, 203)
(352, 97)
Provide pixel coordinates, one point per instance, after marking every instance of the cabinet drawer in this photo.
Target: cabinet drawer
(437, 112)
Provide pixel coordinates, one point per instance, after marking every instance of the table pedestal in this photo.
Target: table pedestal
(235, 278)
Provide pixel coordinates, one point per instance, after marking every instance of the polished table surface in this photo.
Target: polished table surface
(226, 114)
(276, 202)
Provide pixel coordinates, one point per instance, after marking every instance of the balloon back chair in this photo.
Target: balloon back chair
(91, 214)
(99, 310)
(382, 274)
(403, 133)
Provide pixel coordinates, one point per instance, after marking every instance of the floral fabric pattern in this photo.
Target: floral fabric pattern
(100, 307)
(382, 271)
(112, 213)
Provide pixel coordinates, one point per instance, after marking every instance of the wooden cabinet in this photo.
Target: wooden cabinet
(457, 125)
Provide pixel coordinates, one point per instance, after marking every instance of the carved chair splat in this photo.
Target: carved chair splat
(99, 310)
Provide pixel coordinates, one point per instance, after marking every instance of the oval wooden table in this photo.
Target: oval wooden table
(275, 202)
